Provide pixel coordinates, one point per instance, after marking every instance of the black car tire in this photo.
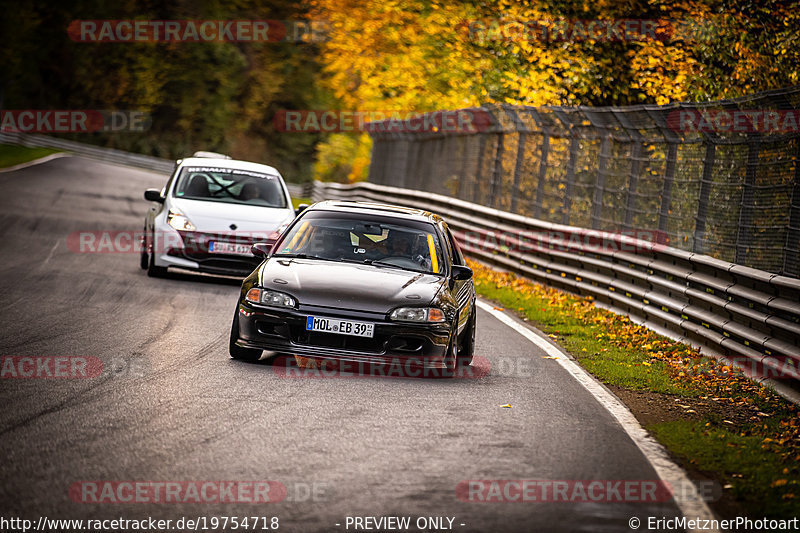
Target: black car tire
(237, 352)
(467, 350)
(451, 359)
(152, 270)
(155, 271)
(144, 260)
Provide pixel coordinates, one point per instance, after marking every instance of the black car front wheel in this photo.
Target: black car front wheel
(144, 259)
(153, 270)
(236, 351)
(467, 348)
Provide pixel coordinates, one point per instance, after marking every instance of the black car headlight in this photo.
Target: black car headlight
(271, 298)
(417, 314)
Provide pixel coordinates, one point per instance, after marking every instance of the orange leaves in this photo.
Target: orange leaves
(715, 382)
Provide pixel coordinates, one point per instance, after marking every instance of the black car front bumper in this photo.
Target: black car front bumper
(285, 331)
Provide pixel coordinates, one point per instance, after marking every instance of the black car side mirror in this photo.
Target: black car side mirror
(262, 249)
(153, 195)
(461, 273)
(300, 209)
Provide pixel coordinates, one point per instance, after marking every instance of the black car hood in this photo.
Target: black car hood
(348, 285)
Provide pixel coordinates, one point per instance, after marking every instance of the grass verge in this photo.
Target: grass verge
(11, 154)
(712, 418)
(297, 201)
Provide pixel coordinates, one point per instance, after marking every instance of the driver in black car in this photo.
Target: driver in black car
(400, 245)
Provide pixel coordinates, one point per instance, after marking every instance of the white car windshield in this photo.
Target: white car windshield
(230, 185)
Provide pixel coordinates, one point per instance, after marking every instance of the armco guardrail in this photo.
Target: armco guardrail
(109, 155)
(87, 150)
(749, 316)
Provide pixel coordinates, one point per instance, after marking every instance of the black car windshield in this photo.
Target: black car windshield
(385, 244)
(230, 185)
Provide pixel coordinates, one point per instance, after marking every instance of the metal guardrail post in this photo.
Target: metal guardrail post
(570, 185)
(699, 240)
(633, 182)
(461, 186)
(666, 191)
(537, 208)
(600, 181)
(515, 192)
(497, 169)
(744, 235)
(791, 252)
(476, 190)
(522, 140)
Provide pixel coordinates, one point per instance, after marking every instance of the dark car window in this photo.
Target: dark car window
(455, 250)
(387, 243)
(230, 186)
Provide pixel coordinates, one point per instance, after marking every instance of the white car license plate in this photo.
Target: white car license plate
(216, 247)
(342, 327)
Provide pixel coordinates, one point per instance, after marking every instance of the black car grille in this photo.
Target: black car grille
(341, 342)
(243, 266)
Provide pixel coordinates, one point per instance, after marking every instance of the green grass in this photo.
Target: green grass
(297, 201)
(11, 155)
(750, 459)
(630, 368)
(753, 478)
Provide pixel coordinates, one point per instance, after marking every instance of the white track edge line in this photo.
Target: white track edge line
(687, 498)
(39, 161)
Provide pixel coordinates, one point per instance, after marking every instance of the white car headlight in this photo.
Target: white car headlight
(271, 298)
(178, 220)
(417, 314)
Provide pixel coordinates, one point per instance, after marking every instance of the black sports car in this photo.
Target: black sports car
(360, 282)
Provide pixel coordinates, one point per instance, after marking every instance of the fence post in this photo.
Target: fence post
(497, 169)
(666, 193)
(744, 235)
(476, 191)
(515, 192)
(699, 240)
(522, 141)
(633, 182)
(791, 253)
(600, 181)
(537, 207)
(573, 156)
(461, 186)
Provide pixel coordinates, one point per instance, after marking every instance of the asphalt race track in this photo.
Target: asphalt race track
(170, 406)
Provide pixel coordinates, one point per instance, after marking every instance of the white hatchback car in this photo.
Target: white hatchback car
(209, 214)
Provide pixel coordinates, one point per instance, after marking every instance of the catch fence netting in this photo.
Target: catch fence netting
(718, 178)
